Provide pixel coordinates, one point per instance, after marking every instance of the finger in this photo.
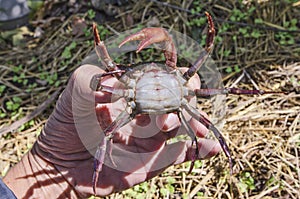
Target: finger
(80, 81)
(177, 153)
(167, 122)
(198, 128)
(206, 149)
(194, 81)
(107, 97)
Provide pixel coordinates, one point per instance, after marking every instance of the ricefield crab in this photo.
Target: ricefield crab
(156, 89)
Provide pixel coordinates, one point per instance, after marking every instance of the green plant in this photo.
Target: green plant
(140, 190)
(2, 114)
(67, 53)
(50, 78)
(35, 5)
(2, 89)
(246, 182)
(286, 38)
(235, 69)
(13, 104)
(88, 32)
(91, 14)
(19, 76)
(168, 187)
(197, 22)
(26, 125)
(30, 87)
(200, 193)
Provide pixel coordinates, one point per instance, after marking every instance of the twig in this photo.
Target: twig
(237, 80)
(252, 81)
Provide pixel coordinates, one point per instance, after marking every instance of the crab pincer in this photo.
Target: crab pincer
(150, 36)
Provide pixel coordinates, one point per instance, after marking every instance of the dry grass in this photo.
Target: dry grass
(263, 132)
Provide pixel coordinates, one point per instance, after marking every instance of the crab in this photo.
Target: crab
(147, 91)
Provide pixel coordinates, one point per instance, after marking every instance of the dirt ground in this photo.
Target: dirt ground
(257, 47)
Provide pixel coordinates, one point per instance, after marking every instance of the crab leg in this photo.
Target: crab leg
(210, 36)
(195, 114)
(234, 91)
(192, 136)
(109, 132)
(149, 36)
(95, 83)
(102, 53)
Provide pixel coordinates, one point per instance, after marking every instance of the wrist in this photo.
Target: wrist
(35, 177)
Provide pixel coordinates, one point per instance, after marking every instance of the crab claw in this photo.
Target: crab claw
(210, 33)
(102, 52)
(150, 36)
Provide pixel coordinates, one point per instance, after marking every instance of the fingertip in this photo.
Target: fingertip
(206, 149)
(194, 81)
(102, 97)
(213, 151)
(167, 122)
(199, 129)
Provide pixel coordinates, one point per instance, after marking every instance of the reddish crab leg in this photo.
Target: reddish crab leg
(234, 91)
(95, 83)
(109, 132)
(190, 132)
(210, 37)
(155, 35)
(102, 53)
(195, 114)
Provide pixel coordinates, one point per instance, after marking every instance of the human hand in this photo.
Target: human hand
(60, 165)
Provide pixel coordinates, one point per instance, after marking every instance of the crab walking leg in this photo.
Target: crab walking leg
(95, 83)
(109, 132)
(102, 53)
(99, 161)
(149, 36)
(195, 114)
(210, 37)
(192, 136)
(234, 91)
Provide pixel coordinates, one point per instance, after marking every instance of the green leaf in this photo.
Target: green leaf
(91, 14)
(2, 88)
(170, 180)
(170, 188)
(164, 191)
(228, 69)
(2, 115)
(237, 68)
(243, 30)
(258, 21)
(67, 51)
(256, 34)
(198, 164)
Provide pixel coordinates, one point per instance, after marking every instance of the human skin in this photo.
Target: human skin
(60, 164)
